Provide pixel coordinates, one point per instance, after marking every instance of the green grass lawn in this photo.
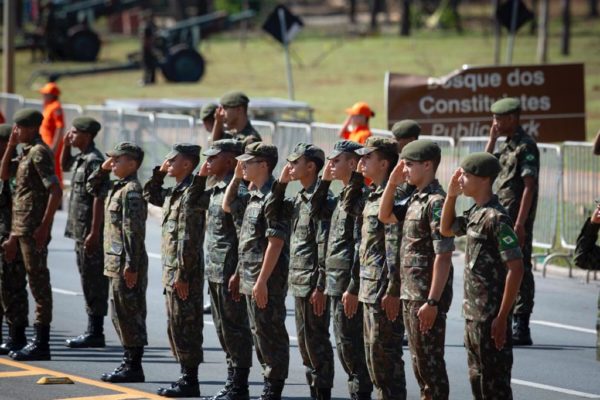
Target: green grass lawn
(352, 70)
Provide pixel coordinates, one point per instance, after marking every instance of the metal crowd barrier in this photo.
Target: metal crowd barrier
(265, 129)
(9, 104)
(138, 127)
(110, 119)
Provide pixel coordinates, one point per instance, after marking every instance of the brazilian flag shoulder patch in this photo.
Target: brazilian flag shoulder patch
(529, 157)
(437, 212)
(507, 239)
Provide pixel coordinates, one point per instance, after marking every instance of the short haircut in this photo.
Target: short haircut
(271, 163)
(392, 158)
(138, 162)
(318, 163)
(195, 160)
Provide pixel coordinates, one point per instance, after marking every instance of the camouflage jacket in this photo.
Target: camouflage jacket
(35, 174)
(587, 253)
(247, 135)
(519, 157)
(491, 242)
(81, 202)
(182, 228)
(124, 223)
(308, 234)
(421, 241)
(253, 239)
(5, 210)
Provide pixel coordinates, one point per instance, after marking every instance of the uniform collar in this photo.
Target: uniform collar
(427, 190)
(265, 189)
(127, 179)
(222, 184)
(37, 139)
(516, 138)
(184, 184)
(306, 193)
(377, 191)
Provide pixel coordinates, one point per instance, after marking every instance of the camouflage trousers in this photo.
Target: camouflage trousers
(489, 368)
(35, 262)
(185, 323)
(383, 353)
(128, 310)
(350, 346)
(270, 336)
(524, 303)
(93, 281)
(427, 352)
(13, 291)
(231, 322)
(313, 343)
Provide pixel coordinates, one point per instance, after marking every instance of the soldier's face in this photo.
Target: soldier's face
(371, 165)
(253, 169)
(507, 124)
(299, 169)
(232, 114)
(342, 166)
(218, 164)
(177, 166)
(472, 184)
(25, 133)
(76, 138)
(123, 166)
(416, 171)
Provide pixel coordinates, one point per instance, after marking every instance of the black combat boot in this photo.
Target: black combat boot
(228, 385)
(130, 369)
(16, 340)
(186, 386)
(521, 334)
(361, 396)
(36, 350)
(313, 393)
(93, 337)
(272, 389)
(239, 386)
(324, 393)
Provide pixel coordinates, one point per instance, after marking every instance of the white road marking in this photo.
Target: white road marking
(563, 326)
(556, 389)
(154, 255)
(67, 292)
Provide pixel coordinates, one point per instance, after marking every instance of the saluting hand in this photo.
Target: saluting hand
(398, 176)
(107, 164)
(327, 173)
(239, 170)
(203, 169)
(494, 131)
(454, 189)
(595, 218)
(285, 176)
(13, 140)
(164, 167)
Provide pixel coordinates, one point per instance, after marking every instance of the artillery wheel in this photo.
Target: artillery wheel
(83, 44)
(183, 64)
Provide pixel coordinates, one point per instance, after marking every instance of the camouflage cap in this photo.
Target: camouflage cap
(344, 146)
(421, 150)
(129, 149)
(187, 149)
(86, 124)
(5, 131)
(481, 164)
(406, 128)
(224, 145)
(382, 144)
(208, 110)
(307, 150)
(258, 149)
(508, 105)
(234, 99)
(28, 117)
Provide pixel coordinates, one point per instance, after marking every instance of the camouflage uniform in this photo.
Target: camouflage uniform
(491, 242)
(383, 338)
(307, 273)
(421, 241)
(247, 135)
(79, 223)
(182, 259)
(270, 335)
(343, 274)
(124, 233)
(587, 256)
(519, 157)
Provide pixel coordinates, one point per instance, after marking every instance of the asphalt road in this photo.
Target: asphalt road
(560, 365)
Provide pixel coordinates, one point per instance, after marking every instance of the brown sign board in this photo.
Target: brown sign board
(552, 100)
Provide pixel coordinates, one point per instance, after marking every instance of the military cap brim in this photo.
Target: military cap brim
(334, 154)
(365, 150)
(245, 157)
(212, 151)
(294, 156)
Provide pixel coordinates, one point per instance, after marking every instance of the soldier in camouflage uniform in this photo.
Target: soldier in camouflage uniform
(263, 255)
(36, 198)
(425, 265)
(125, 257)
(231, 120)
(228, 307)
(493, 273)
(85, 226)
(587, 255)
(342, 265)
(517, 188)
(383, 330)
(182, 263)
(307, 267)
(14, 305)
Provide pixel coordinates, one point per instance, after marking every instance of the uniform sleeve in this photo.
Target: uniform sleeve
(277, 224)
(320, 201)
(441, 244)
(587, 253)
(189, 238)
(323, 227)
(44, 165)
(459, 226)
(354, 284)
(392, 258)
(508, 244)
(197, 195)
(529, 161)
(67, 164)
(92, 166)
(276, 205)
(401, 202)
(134, 228)
(353, 201)
(98, 183)
(154, 193)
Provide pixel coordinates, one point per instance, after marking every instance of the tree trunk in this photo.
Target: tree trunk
(352, 11)
(405, 18)
(542, 45)
(566, 28)
(593, 12)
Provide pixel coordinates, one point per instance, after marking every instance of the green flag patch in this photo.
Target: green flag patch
(507, 239)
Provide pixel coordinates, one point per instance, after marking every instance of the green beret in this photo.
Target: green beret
(5, 131)
(481, 164)
(307, 150)
(28, 117)
(187, 149)
(421, 150)
(234, 99)
(86, 124)
(406, 128)
(208, 110)
(126, 148)
(259, 149)
(382, 144)
(227, 145)
(508, 105)
(344, 146)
